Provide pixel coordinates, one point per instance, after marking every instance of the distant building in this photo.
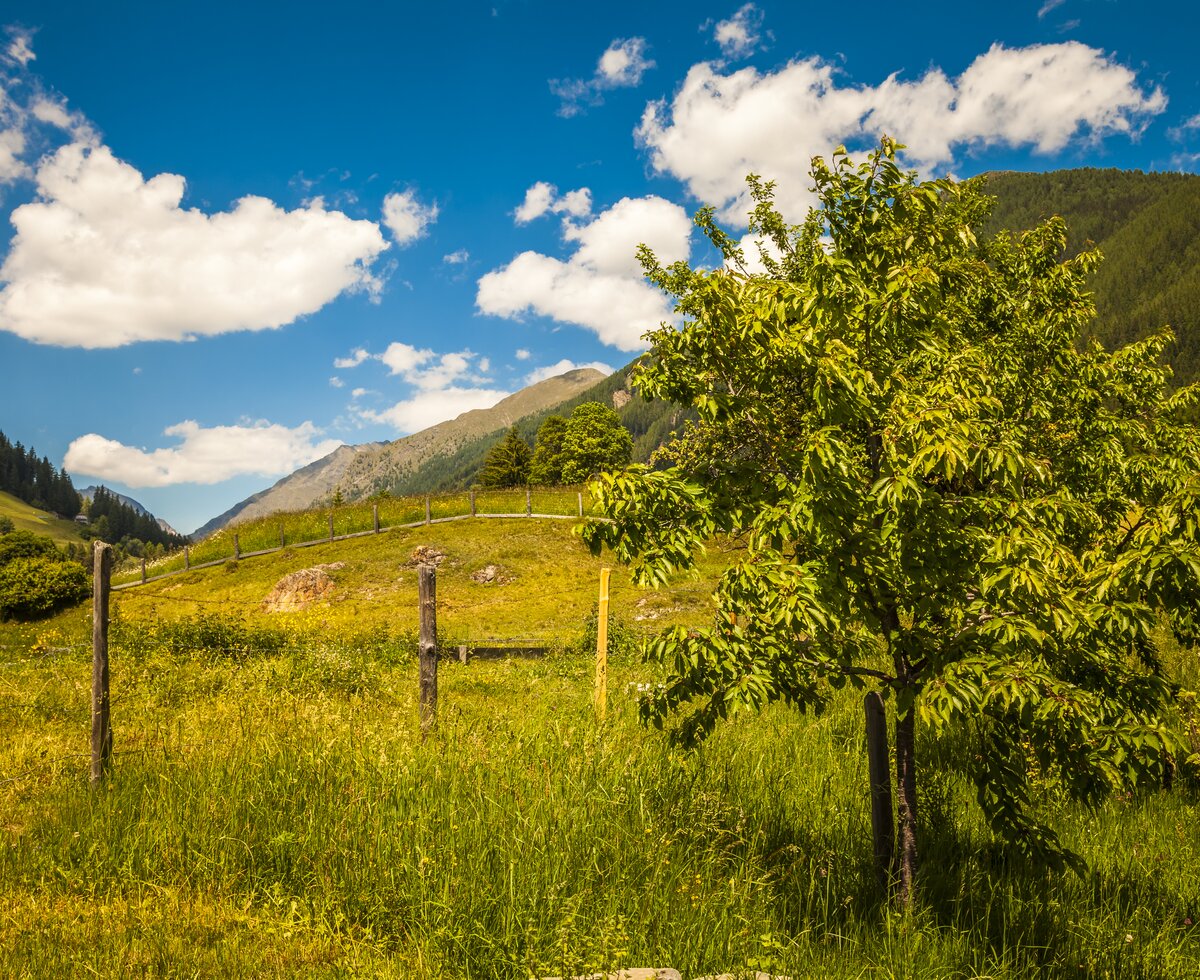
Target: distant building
(82, 519)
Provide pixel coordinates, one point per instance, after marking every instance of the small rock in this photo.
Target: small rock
(427, 555)
(488, 575)
(297, 589)
(333, 566)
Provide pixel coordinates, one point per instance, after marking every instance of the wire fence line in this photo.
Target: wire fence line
(237, 554)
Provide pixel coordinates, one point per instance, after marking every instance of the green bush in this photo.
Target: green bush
(26, 544)
(33, 587)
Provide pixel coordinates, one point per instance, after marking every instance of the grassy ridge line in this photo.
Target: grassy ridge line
(28, 518)
(307, 527)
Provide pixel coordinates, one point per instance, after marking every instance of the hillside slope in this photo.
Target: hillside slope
(358, 471)
(28, 518)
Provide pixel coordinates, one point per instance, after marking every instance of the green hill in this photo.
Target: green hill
(1147, 226)
(28, 518)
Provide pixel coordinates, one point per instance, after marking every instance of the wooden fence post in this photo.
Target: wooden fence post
(427, 649)
(472, 503)
(187, 558)
(282, 543)
(143, 571)
(580, 496)
(528, 505)
(331, 525)
(881, 786)
(426, 510)
(602, 648)
(375, 517)
(101, 727)
(237, 548)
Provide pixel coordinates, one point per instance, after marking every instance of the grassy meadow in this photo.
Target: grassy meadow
(272, 811)
(29, 518)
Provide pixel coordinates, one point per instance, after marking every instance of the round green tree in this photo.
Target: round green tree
(546, 469)
(594, 442)
(945, 493)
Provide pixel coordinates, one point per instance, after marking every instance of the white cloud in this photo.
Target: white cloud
(359, 392)
(522, 354)
(544, 198)
(20, 48)
(427, 408)
(1048, 6)
(740, 34)
(600, 286)
(720, 127)
(356, 357)
(406, 217)
(336, 382)
(622, 65)
(104, 258)
(429, 371)
(457, 258)
(562, 367)
(12, 145)
(205, 455)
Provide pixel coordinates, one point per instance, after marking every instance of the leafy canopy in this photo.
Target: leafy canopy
(594, 441)
(507, 462)
(939, 491)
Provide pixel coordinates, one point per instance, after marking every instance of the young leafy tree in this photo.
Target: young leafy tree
(594, 441)
(546, 469)
(942, 493)
(507, 462)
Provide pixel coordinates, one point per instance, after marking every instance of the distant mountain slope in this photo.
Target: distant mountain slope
(358, 471)
(1147, 227)
(87, 493)
(650, 424)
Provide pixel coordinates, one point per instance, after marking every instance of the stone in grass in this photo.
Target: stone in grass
(490, 575)
(425, 554)
(637, 973)
(297, 589)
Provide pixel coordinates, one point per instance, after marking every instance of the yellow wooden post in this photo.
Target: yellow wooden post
(602, 648)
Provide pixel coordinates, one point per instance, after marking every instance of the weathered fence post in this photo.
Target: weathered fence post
(331, 525)
(602, 648)
(528, 505)
(472, 503)
(187, 558)
(101, 728)
(580, 496)
(237, 548)
(375, 517)
(426, 510)
(282, 543)
(881, 786)
(427, 649)
(143, 571)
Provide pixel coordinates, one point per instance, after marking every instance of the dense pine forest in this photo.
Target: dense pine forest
(35, 480)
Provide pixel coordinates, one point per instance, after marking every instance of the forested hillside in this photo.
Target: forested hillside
(1147, 227)
(35, 480)
(650, 424)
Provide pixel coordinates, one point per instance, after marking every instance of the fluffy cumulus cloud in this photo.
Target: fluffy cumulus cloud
(622, 65)
(204, 455)
(721, 126)
(103, 257)
(427, 408)
(600, 286)
(406, 217)
(562, 367)
(429, 371)
(354, 359)
(543, 198)
(739, 35)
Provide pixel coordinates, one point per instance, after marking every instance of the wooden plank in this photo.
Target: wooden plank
(602, 648)
(101, 724)
(427, 647)
(879, 771)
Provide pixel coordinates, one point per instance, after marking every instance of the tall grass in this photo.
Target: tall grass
(272, 811)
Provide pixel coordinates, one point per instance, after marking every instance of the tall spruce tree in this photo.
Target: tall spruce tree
(507, 463)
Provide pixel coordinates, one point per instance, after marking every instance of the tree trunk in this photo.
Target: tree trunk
(906, 805)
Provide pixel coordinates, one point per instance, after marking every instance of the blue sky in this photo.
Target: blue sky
(238, 235)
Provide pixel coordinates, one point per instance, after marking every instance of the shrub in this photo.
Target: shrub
(33, 587)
